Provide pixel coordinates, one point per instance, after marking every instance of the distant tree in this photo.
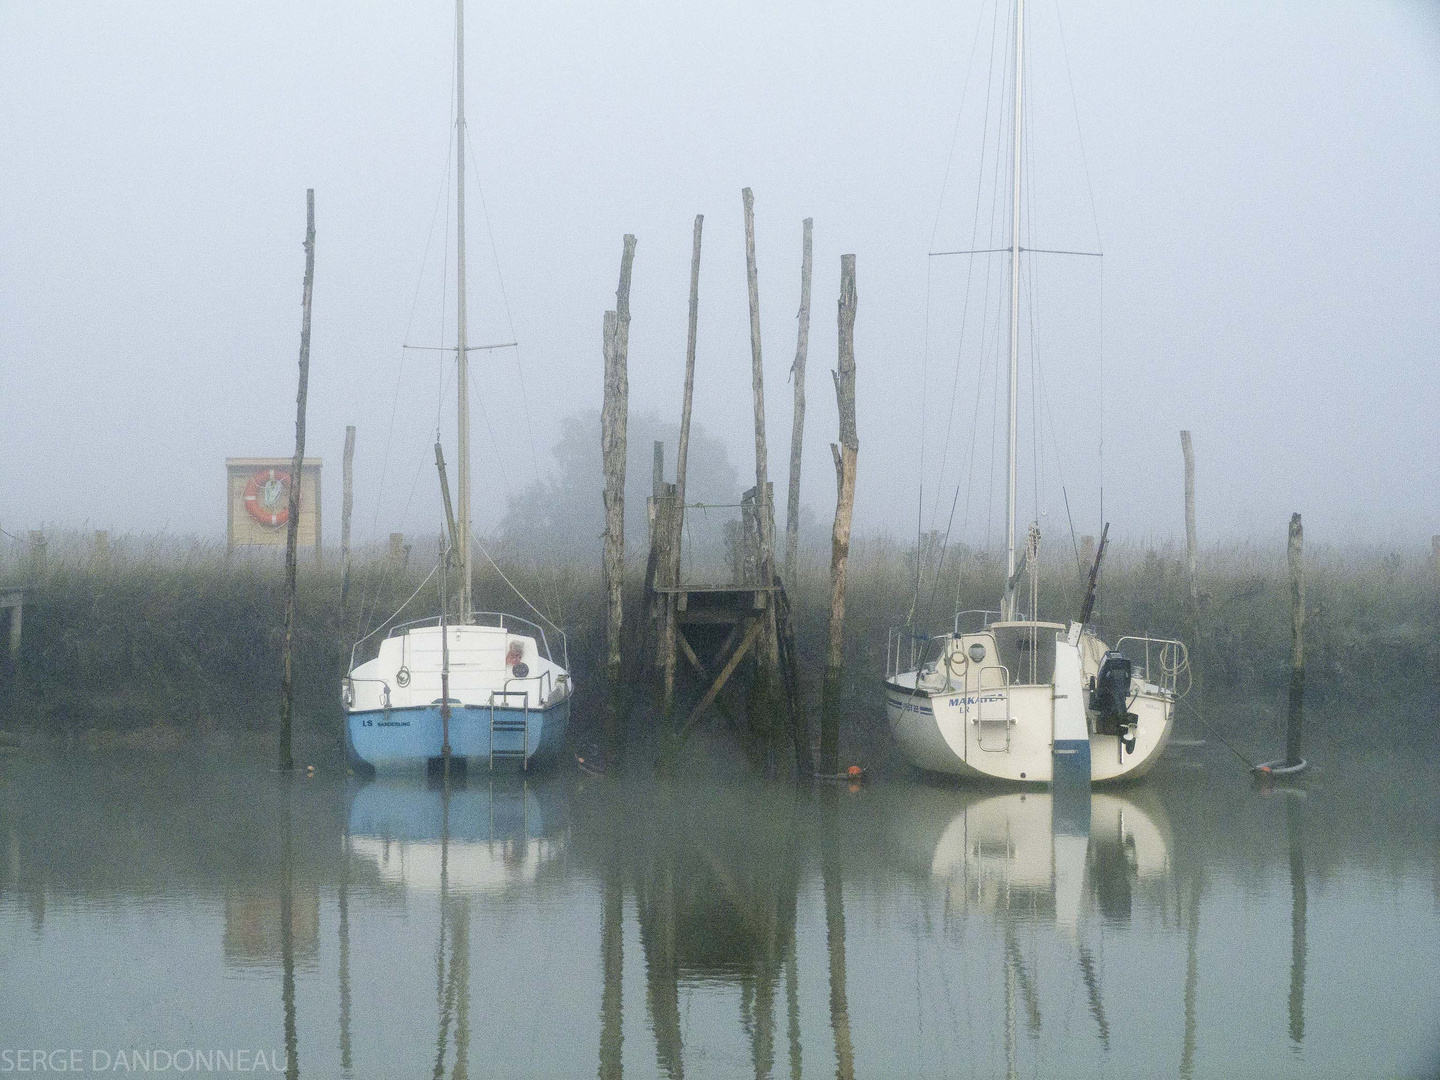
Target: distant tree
(562, 517)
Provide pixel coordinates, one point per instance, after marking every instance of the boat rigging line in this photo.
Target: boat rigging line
(1020, 174)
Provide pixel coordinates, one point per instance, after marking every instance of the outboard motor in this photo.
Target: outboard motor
(1110, 700)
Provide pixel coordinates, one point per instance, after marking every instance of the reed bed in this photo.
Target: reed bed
(164, 632)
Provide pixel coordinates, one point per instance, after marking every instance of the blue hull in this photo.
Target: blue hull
(398, 738)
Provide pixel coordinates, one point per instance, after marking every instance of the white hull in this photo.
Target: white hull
(968, 719)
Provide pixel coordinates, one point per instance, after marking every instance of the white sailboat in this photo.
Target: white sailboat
(480, 685)
(1010, 696)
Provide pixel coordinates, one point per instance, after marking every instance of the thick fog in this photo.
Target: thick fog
(1263, 182)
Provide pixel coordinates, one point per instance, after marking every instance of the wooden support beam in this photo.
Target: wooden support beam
(1295, 556)
(613, 420)
(845, 454)
(756, 626)
(689, 652)
(347, 506)
(1191, 556)
(797, 428)
(287, 760)
(794, 695)
(769, 657)
(682, 455)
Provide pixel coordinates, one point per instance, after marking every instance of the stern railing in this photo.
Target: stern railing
(1165, 660)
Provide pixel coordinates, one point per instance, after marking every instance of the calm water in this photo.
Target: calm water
(564, 926)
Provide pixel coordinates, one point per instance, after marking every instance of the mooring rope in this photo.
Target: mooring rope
(1252, 765)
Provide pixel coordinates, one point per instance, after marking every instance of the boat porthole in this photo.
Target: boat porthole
(520, 670)
(977, 652)
(402, 677)
(1022, 776)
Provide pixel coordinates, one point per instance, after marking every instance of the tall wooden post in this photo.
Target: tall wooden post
(1295, 555)
(797, 429)
(845, 454)
(682, 455)
(347, 504)
(613, 420)
(769, 653)
(287, 760)
(1191, 555)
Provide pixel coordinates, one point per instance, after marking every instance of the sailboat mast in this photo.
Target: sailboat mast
(462, 355)
(1011, 427)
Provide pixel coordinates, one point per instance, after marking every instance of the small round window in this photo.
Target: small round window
(977, 652)
(521, 670)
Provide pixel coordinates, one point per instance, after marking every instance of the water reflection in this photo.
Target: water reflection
(1034, 855)
(1297, 921)
(487, 837)
(393, 928)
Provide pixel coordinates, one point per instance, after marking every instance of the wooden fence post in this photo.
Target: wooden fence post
(1295, 556)
(613, 420)
(1192, 561)
(797, 429)
(287, 760)
(845, 454)
(347, 504)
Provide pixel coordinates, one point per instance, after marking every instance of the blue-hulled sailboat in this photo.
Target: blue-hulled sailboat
(470, 687)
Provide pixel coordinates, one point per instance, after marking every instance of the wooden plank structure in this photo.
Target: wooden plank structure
(746, 605)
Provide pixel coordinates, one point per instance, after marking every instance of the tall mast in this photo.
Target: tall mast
(462, 355)
(1009, 603)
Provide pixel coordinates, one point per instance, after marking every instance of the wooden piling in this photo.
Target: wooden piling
(769, 651)
(682, 452)
(613, 420)
(797, 428)
(845, 454)
(1295, 555)
(1191, 556)
(287, 760)
(347, 504)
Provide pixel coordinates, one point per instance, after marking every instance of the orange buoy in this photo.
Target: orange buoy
(854, 772)
(267, 497)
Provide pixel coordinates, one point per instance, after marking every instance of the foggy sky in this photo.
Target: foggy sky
(1264, 190)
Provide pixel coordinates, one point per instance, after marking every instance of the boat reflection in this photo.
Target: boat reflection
(1035, 855)
(481, 838)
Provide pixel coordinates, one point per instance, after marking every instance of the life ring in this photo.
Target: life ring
(267, 497)
(956, 669)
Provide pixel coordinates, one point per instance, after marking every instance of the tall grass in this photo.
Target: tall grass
(170, 632)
